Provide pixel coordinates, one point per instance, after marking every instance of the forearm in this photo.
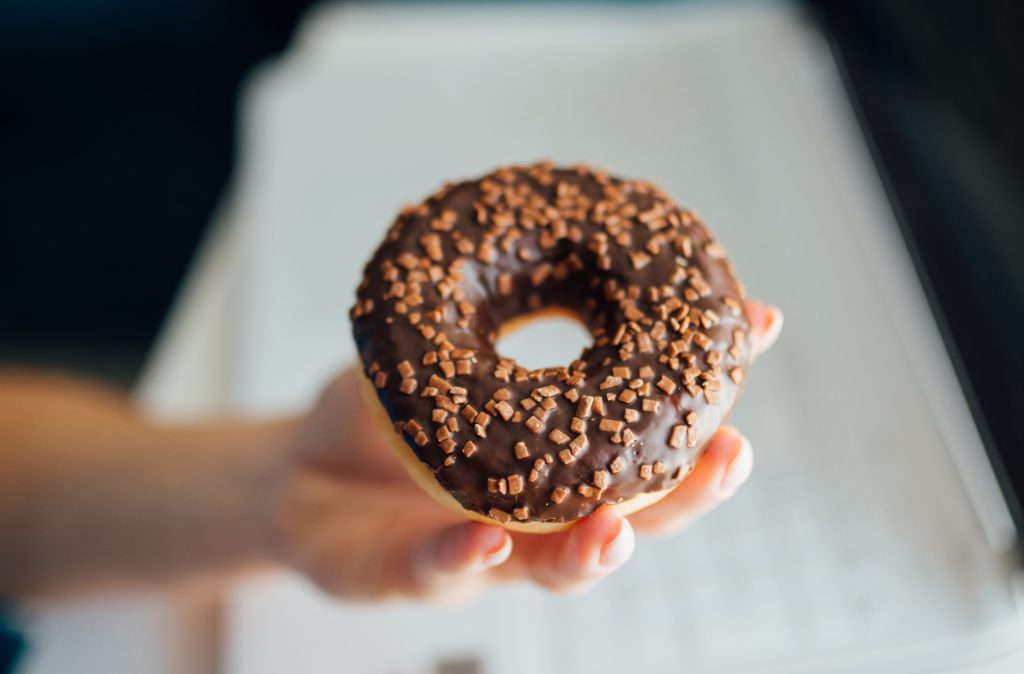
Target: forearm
(92, 494)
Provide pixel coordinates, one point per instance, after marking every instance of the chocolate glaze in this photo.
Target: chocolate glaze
(560, 223)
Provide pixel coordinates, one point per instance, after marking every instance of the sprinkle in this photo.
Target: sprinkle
(645, 471)
(521, 450)
(566, 456)
(640, 259)
(667, 385)
(540, 274)
(600, 479)
(714, 250)
(504, 284)
(737, 375)
(578, 444)
(438, 383)
(500, 515)
(611, 381)
(617, 464)
(678, 436)
(534, 424)
(515, 484)
(650, 405)
(659, 467)
(408, 386)
(559, 494)
(587, 490)
(558, 437)
(504, 410)
(610, 425)
(522, 513)
(644, 343)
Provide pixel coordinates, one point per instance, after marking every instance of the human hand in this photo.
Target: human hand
(344, 511)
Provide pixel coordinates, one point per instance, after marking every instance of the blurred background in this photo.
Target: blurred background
(118, 136)
(120, 141)
(118, 133)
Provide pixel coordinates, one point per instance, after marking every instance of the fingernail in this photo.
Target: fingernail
(615, 552)
(498, 555)
(775, 327)
(739, 468)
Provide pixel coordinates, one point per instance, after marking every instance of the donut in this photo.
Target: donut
(536, 449)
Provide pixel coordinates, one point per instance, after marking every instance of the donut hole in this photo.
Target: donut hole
(551, 337)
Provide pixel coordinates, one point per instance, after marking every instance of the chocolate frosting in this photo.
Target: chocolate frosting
(631, 415)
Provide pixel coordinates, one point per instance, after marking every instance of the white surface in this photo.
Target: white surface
(170, 632)
(855, 546)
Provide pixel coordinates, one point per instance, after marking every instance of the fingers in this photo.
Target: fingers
(575, 559)
(765, 325)
(450, 564)
(721, 470)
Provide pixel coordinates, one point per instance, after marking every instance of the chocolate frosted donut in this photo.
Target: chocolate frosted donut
(622, 424)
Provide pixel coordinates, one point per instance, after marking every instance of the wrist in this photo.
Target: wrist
(238, 471)
(268, 473)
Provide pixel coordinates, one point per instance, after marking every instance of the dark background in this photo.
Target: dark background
(117, 139)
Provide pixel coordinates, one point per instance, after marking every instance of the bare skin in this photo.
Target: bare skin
(93, 495)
